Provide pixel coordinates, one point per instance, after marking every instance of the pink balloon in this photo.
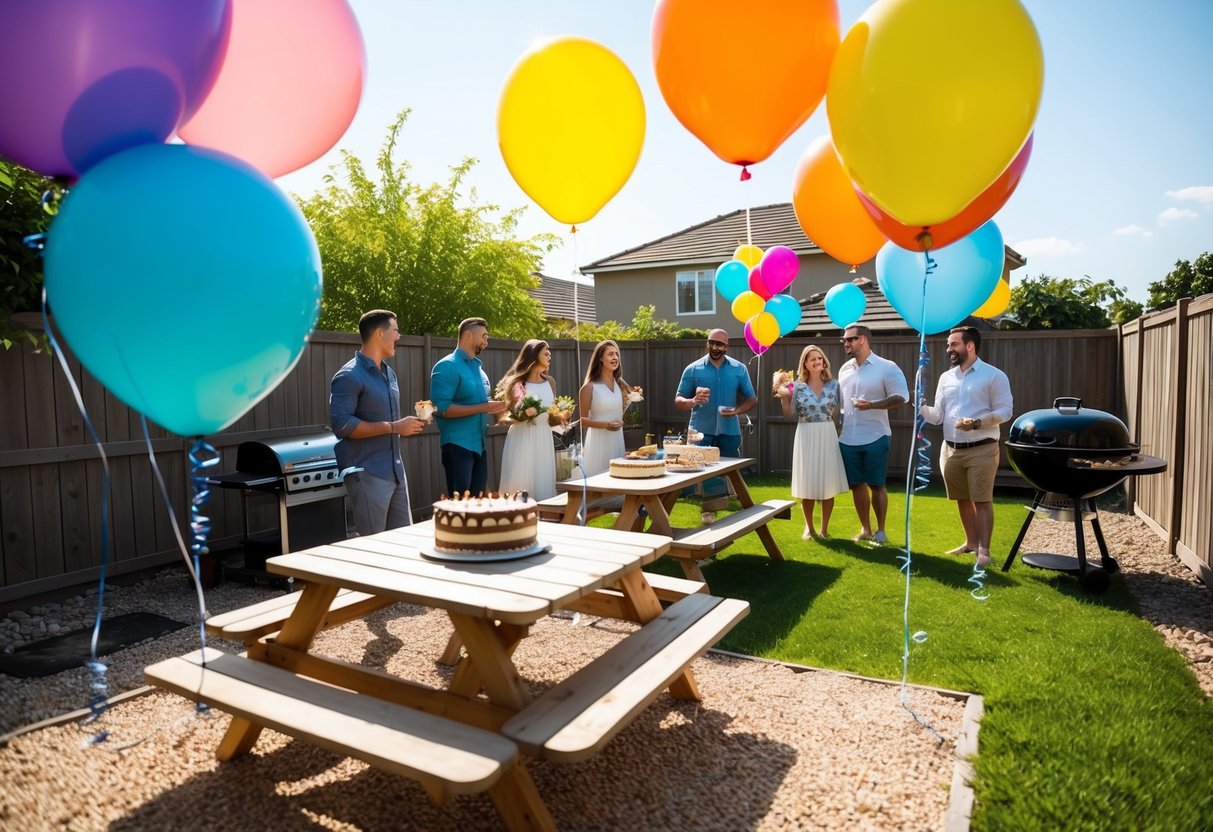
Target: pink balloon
(779, 267)
(758, 286)
(750, 339)
(289, 85)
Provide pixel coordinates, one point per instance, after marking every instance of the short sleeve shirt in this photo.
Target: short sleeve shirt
(730, 385)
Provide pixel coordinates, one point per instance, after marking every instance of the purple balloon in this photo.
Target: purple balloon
(779, 267)
(755, 346)
(81, 80)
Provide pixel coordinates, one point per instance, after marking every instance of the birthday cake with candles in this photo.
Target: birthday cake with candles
(496, 523)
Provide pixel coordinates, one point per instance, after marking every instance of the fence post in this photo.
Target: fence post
(1180, 386)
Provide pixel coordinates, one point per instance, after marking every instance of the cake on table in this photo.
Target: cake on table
(637, 468)
(693, 453)
(496, 523)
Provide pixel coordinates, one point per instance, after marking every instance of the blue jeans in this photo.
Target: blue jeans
(716, 487)
(465, 470)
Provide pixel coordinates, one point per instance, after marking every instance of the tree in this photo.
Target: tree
(1187, 280)
(21, 213)
(645, 326)
(1045, 302)
(420, 252)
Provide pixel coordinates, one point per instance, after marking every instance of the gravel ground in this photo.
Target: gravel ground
(767, 749)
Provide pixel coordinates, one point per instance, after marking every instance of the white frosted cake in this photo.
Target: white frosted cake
(699, 453)
(495, 523)
(637, 468)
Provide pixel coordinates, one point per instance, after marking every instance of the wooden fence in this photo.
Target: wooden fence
(1168, 383)
(51, 475)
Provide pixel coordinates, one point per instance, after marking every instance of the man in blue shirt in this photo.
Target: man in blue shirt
(464, 404)
(716, 389)
(364, 411)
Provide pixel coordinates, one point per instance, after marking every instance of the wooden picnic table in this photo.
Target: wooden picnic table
(491, 605)
(657, 495)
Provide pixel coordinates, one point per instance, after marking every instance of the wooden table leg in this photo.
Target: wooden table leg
(572, 509)
(489, 663)
(764, 534)
(628, 514)
(518, 801)
(739, 486)
(297, 634)
(636, 589)
(659, 515)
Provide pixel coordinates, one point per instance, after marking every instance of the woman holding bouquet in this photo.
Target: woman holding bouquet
(602, 398)
(817, 469)
(528, 461)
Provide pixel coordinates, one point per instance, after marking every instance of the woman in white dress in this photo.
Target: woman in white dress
(528, 461)
(601, 400)
(817, 469)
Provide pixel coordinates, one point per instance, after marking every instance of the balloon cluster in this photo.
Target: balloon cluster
(753, 282)
(183, 279)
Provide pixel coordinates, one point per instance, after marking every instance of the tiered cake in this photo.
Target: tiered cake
(497, 523)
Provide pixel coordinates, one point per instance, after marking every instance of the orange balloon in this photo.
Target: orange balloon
(828, 208)
(741, 75)
(987, 204)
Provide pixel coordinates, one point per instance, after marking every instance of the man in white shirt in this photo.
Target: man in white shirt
(971, 401)
(870, 385)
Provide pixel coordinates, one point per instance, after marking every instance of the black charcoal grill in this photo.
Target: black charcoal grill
(301, 472)
(1071, 455)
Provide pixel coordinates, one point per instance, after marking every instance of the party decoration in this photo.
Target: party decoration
(570, 124)
(289, 85)
(732, 278)
(961, 276)
(765, 328)
(749, 254)
(757, 285)
(752, 341)
(779, 267)
(786, 310)
(747, 305)
(185, 281)
(828, 208)
(930, 100)
(845, 304)
(996, 303)
(81, 80)
(742, 76)
(917, 238)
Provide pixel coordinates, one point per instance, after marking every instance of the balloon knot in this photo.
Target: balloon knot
(854, 269)
(745, 173)
(573, 230)
(925, 240)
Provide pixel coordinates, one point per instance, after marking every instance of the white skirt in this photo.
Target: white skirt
(817, 470)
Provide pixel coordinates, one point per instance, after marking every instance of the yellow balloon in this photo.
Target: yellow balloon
(747, 305)
(765, 328)
(996, 303)
(748, 254)
(930, 100)
(570, 124)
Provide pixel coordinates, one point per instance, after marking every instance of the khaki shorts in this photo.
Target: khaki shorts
(968, 473)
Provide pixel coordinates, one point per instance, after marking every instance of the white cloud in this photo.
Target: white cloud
(1173, 214)
(1134, 230)
(1194, 193)
(1047, 246)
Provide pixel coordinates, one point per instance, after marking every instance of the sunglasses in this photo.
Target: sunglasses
(848, 339)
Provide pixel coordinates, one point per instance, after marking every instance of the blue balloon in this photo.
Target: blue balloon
(845, 304)
(185, 281)
(786, 310)
(964, 275)
(732, 278)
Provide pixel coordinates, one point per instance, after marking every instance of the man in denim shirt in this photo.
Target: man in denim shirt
(462, 399)
(716, 389)
(364, 411)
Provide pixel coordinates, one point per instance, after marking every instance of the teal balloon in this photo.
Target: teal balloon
(963, 276)
(786, 310)
(185, 281)
(732, 278)
(845, 304)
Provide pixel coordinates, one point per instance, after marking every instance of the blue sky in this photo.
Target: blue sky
(1119, 187)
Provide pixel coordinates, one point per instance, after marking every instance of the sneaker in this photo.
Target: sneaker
(862, 536)
(879, 539)
(707, 517)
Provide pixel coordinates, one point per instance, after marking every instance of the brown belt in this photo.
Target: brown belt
(961, 445)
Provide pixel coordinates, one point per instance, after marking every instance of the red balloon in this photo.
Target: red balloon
(758, 285)
(987, 204)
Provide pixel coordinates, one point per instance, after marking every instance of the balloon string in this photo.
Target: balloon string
(98, 671)
(576, 310)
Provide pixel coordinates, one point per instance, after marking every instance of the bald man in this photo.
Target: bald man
(716, 389)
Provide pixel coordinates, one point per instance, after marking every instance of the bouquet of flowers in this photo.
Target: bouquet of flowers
(562, 407)
(636, 395)
(523, 406)
(783, 378)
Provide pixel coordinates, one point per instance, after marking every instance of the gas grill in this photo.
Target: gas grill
(301, 472)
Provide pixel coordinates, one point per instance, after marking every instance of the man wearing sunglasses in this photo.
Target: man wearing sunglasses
(716, 389)
(870, 385)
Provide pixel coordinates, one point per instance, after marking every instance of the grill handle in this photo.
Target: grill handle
(1068, 404)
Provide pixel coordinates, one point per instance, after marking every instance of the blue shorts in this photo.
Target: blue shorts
(866, 463)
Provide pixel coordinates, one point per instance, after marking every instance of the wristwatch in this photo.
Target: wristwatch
(976, 424)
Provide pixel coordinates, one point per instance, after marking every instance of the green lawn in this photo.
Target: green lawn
(1091, 722)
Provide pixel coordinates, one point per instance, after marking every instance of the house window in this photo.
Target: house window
(696, 293)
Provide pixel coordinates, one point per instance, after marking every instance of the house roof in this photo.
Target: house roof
(878, 316)
(716, 239)
(556, 295)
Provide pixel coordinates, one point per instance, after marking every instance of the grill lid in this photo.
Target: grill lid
(276, 457)
(1069, 426)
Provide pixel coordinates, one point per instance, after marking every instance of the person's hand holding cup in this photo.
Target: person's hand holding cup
(702, 394)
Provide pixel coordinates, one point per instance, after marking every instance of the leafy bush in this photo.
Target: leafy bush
(21, 214)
